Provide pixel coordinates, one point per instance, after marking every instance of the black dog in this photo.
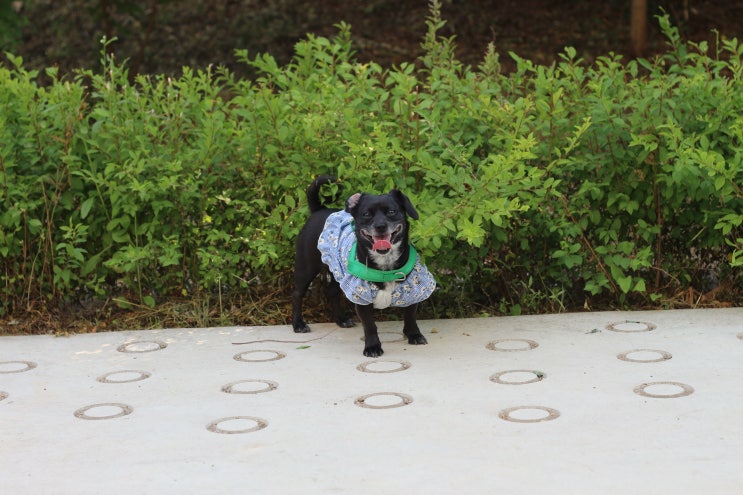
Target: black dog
(369, 255)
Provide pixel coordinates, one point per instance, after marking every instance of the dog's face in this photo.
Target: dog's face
(381, 227)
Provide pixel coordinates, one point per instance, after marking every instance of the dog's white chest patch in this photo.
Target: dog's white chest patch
(383, 298)
(386, 261)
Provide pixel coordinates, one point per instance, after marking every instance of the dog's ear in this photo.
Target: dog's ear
(352, 203)
(403, 201)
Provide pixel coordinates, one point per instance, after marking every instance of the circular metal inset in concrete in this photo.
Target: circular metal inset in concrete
(383, 400)
(259, 356)
(16, 366)
(139, 346)
(517, 377)
(3, 395)
(108, 410)
(664, 390)
(644, 356)
(383, 366)
(529, 414)
(512, 345)
(630, 326)
(126, 376)
(250, 387)
(237, 424)
(388, 337)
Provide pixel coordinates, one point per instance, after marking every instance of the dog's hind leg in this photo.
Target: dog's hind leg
(335, 297)
(302, 282)
(410, 328)
(297, 295)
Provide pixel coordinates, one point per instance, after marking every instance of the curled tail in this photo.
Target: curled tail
(313, 192)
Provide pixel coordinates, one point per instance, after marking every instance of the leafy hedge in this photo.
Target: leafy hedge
(539, 189)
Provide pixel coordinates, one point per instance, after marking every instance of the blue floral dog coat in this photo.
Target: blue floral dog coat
(335, 244)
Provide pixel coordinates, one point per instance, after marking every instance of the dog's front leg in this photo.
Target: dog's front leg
(410, 329)
(372, 347)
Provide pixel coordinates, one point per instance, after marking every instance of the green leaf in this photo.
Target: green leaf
(720, 182)
(123, 303)
(625, 283)
(86, 206)
(120, 236)
(90, 265)
(34, 225)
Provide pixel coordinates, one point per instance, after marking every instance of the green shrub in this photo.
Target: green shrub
(538, 190)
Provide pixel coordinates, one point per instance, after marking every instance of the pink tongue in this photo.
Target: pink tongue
(381, 245)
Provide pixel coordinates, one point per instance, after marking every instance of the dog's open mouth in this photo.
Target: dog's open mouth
(382, 244)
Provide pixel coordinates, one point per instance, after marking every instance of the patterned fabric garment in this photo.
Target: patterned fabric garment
(335, 243)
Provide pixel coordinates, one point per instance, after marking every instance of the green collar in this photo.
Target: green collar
(355, 267)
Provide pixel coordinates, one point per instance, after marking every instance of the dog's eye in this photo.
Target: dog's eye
(391, 212)
(366, 214)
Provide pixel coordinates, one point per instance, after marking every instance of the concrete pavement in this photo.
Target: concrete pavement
(588, 403)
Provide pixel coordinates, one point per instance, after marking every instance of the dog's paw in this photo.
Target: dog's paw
(373, 351)
(417, 339)
(301, 328)
(346, 323)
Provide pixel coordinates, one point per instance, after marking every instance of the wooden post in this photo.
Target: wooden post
(638, 32)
